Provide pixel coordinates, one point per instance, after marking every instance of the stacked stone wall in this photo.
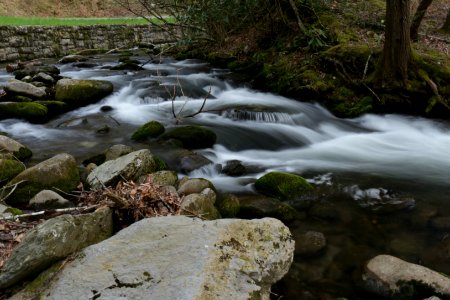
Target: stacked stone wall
(31, 42)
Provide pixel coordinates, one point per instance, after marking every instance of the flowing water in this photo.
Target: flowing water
(357, 162)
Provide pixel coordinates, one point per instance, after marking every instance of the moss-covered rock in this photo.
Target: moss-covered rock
(30, 111)
(54, 108)
(60, 171)
(9, 168)
(228, 205)
(192, 137)
(10, 148)
(199, 205)
(148, 130)
(76, 92)
(284, 186)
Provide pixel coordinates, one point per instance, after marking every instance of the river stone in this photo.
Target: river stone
(234, 168)
(127, 167)
(53, 240)
(151, 129)
(72, 58)
(80, 92)
(163, 178)
(17, 87)
(391, 277)
(49, 199)
(192, 137)
(60, 171)
(284, 186)
(31, 70)
(179, 258)
(228, 205)
(9, 168)
(10, 146)
(310, 243)
(193, 186)
(30, 111)
(117, 151)
(256, 206)
(201, 205)
(190, 161)
(43, 77)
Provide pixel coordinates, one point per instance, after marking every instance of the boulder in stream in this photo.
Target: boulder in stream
(201, 205)
(81, 92)
(284, 186)
(391, 277)
(9, 168)
(53, 240)
(178, 258)
(192, 137)
(17, 87)
(30, 111)
(10, 148)
(151, 129)
(60, 171)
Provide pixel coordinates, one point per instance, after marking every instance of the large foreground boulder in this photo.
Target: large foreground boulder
(60, 171)
(81, 92)
(394, 278)
(53, 240)
(128, 167)
(178, 258)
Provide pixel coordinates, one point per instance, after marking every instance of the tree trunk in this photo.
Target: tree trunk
(397, 45)
(446, 26)
(418, 16)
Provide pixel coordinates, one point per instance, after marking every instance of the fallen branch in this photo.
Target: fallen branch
(52, 211)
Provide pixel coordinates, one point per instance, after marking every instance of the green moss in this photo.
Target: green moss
(30, 111)
(54, 108)
(192, 137)
(77, 93)
(14, 211)
(160, 164)
(9, 169)
(228, 206)
(149, 130)
(284, 186)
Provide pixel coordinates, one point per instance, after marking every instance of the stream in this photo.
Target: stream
(385, 179)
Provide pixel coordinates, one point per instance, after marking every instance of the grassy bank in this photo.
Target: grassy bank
(24, 21)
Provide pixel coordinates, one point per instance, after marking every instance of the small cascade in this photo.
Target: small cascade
(258, 116)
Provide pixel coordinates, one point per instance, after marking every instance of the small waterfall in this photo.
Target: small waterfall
(258, 116)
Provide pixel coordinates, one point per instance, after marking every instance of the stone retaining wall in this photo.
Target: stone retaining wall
(30, 42)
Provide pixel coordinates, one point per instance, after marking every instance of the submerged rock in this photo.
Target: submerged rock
(179, 258)
(53, 240)
(60, 171)
(81, 92)
(310, 243)
(192, 186)
(284, 186)
(254, 206)
(128, 167)
(394, 278)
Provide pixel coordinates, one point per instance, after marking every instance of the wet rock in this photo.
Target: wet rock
(31, 70)
(200, 205)
(284, 186)
(85, 65)
(324, 210)
(46, 199)
(380, 200)
(194, 185)
(393, 278)
(255, 206)
(228, 205)
(128, 167)
(131, 66)
(190, 161)
(72, 58)
(310, 243)
(164, 178)
(437, 255)
(151, 129)
(106, 108)
(54, 108)
(53, 240)
(234, 168)
(179, 258)
(43, 77)
(29, 111)
(17, 87)
(9, 147)
(78, 92)
(60, 171)
(192, 137)
(117, 151)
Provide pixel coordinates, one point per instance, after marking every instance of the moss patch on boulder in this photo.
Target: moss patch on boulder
(9, 168)
(30, 111)
(284, 186)
(192, 137)
(78, 93)
(149, 130)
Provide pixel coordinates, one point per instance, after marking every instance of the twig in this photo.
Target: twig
(43, 212)
(203, 105)
(2, 200)
(119, 201)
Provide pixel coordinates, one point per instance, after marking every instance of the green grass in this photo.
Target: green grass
(24, 21)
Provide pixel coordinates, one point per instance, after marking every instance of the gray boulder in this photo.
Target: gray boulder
(178, 258)
(17, 87)
(53, 240)
(60, 171)
(72, 58)
(163, 178)
(195, 185)
(117, 151)
(49, 199)
(81, 92)
(392, 277)
(43, 77)
(200, 205)
(129, 167)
